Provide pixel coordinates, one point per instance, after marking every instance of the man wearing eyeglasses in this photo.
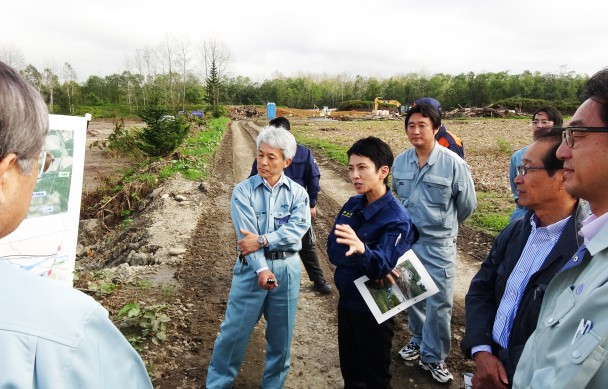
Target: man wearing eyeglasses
(569, 347)
(505, 296)
(545, 117)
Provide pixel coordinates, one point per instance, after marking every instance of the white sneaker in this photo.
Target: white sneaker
(438, 370)
(410, 352)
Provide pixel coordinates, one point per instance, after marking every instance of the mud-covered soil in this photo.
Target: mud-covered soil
(181, 251)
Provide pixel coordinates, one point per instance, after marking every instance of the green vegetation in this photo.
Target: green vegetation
(492, 213)
(163, 133)
(333, 151)
(118, 198)
(503, 146)
(139, 322)
(99, 282)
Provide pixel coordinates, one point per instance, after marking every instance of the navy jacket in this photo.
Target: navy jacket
(387, 231)
(303, 170)
(488, 287)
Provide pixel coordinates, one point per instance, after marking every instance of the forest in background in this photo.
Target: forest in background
(169, 74)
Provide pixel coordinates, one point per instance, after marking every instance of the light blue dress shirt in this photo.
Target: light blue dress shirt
(540, 242)
(52, 336)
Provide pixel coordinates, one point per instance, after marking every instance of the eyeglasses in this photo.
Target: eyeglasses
(542, 122)
(568, 133)
(523, 170)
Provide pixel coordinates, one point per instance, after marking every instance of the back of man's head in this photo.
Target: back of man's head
(279, 122)
(24, 121)
(597, 90)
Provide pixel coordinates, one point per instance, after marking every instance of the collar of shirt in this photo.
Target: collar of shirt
(278, 184)
(370, 210)
(592, 225)
(554, 230)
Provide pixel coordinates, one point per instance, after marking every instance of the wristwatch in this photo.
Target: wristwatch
(261, 241)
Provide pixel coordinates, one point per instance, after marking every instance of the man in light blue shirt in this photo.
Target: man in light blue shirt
(51, 336)
(436, 188)
(542, 118)
(271, 214)
(505, 296)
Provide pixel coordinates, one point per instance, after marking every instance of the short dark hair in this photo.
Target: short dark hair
(375, 149)
(554, 115)
(426, 110)
(551, 135)
(596, 89)
(279, 122)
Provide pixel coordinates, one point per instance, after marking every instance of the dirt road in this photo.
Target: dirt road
(200, 222)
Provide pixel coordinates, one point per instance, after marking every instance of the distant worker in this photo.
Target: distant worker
(304, 171)
(544, 117)
(51, 336)
(444, 137)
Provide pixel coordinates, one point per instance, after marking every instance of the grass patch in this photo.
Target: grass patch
(333, 151)
(492, 213)
(196, 151)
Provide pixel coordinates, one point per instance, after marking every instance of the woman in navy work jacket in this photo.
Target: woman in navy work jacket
(371, 232)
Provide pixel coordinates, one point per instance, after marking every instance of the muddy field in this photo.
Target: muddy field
(179, 253)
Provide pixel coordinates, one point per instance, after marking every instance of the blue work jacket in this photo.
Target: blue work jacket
(387, 232)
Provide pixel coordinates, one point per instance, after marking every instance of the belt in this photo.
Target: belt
(272, 255)
(278, 254)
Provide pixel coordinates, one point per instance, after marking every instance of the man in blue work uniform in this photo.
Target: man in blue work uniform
(505, 296)
(436, 188)
(271, 214)
(371, 232)
(304, 171)
(444, 137)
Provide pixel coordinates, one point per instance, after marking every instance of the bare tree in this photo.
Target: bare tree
(168, 51)
(70, 81)
(50, 82)
(183, 59)
(12, 56)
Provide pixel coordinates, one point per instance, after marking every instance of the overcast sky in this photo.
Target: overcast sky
(351, 37)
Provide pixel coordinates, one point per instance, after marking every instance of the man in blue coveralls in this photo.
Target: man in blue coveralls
(304, 170)
(436, 188)
(271, 214)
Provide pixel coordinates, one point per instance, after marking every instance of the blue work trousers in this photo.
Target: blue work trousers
(246, 304)
(429, 320)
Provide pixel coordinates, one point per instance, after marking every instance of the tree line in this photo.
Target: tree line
(169, 74)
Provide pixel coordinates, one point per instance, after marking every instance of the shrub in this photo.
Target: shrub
(163, 133)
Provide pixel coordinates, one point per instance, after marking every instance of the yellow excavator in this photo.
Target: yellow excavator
(385, 101)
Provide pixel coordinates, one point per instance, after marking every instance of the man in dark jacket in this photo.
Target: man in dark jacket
(505, 296)
(304, 171)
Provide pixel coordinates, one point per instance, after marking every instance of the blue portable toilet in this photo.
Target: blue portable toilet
(271, 111)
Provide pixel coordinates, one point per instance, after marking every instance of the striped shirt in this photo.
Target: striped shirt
(539, 244)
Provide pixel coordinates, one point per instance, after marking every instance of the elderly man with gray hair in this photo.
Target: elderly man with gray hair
(50, 335)
(271, 214)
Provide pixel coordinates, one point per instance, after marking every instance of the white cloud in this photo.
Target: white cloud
(314, 36)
